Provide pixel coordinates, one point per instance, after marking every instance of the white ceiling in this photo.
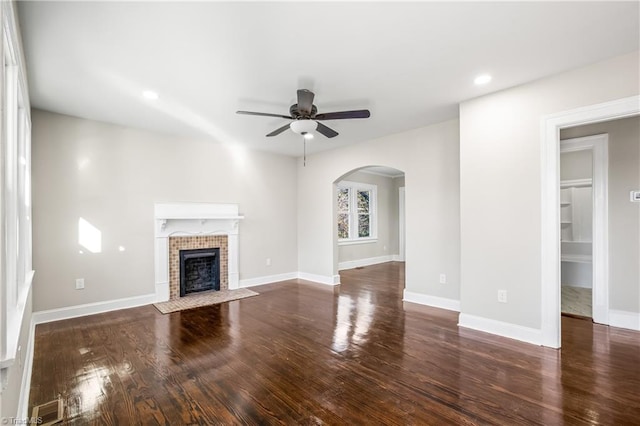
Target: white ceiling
(409, 63)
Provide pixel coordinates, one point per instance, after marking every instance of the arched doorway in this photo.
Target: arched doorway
(368, 217)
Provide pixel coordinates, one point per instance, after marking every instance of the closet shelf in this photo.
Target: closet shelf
(577, 258)
(576, 183)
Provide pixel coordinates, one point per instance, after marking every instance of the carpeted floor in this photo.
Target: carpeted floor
(576, 300)
(203, 299)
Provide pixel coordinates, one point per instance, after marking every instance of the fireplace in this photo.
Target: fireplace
(194, 246)
(191, 226)
(199, 270)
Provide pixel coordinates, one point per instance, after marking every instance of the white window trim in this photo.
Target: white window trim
(373, 213)
(15, 219)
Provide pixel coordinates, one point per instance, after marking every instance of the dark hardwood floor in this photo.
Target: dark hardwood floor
(308, 354)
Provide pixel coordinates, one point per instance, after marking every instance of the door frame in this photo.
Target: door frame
(550, 126)
(401, 224)
(599, 147)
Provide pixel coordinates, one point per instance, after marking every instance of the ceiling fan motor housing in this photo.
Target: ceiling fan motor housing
(296, 113)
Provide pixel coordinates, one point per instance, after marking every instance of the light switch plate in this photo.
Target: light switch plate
(634, 196)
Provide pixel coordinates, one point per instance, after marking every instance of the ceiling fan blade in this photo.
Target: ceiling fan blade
(264, 114)
(328, 132)
(361, 113)
(305, 101)
(278, 131)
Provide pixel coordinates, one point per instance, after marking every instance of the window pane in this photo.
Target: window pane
(343, 226)
(363, 226)
(363, 201)
(343, 199)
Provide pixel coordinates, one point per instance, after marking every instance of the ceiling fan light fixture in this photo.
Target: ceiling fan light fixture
(307, 135)
(304, 127)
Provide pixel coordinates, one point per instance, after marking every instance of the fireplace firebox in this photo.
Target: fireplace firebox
(199, 270)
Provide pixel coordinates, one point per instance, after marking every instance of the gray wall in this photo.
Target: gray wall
(429, 158)
(111, 176)
(624, 216)
(500, 184)
(387, 242)
(575, 164)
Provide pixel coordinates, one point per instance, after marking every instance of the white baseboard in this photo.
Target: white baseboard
(320, 279)
(268, 279)
(396, 258)
(436, 302)
(25, 385)
(41, 317)
(505, 329)
(350, 264)
(624, 319)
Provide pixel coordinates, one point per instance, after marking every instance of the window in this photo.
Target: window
(15, 180)
(356, 212)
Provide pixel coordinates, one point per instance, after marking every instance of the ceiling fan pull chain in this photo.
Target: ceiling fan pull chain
(304, 142)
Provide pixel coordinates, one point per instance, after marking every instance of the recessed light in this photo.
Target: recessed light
(482, 79)
(150, 94)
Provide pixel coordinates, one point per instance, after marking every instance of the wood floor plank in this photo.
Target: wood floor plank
(305, 354)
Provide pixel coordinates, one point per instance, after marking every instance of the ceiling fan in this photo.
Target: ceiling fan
(306, 118)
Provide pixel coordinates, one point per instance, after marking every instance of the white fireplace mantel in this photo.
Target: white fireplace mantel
(189, 219)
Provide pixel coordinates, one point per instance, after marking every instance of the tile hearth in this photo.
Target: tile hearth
(203, 299)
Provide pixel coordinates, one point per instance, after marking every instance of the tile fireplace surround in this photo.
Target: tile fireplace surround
(194, 225)
(196, 242)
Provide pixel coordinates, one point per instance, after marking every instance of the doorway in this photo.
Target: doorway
(367, 217)
(401, 224)
(584, 235)
(550, 202)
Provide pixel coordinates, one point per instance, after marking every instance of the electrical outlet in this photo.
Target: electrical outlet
(384, 248)
(443, 278)
(79, 283)
(268, 261)
(502, 296)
